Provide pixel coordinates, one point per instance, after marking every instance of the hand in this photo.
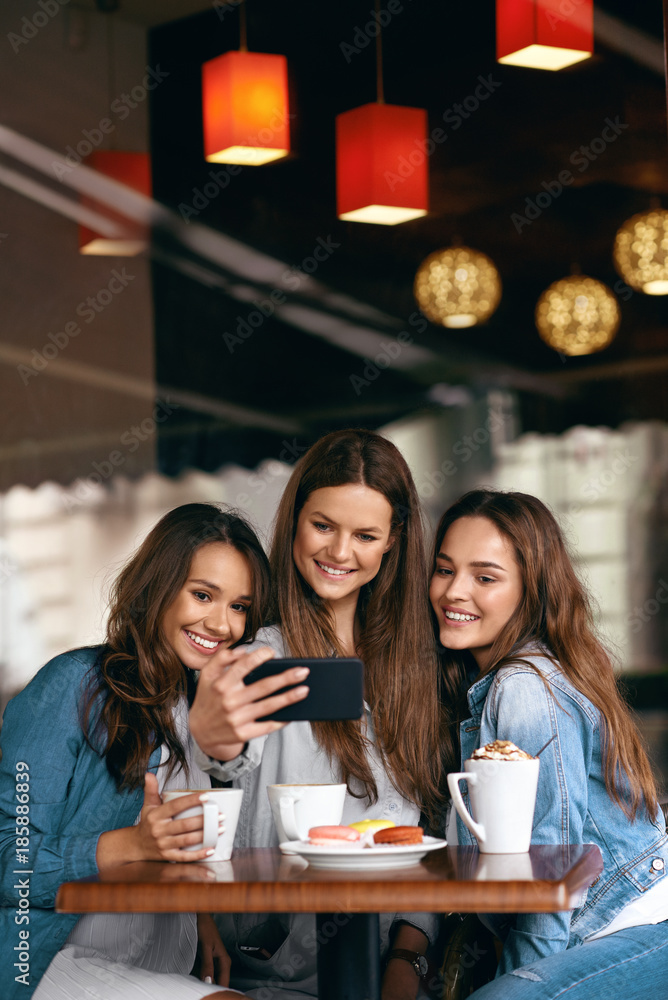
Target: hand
(163, 838)
(157, 836)
(213, 962)
(223, 716)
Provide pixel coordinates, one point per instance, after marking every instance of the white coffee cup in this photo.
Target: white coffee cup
(503, 798)
(296, 808)
(225, 802)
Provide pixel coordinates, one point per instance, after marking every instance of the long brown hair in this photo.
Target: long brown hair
(396, 645)
(555, 613)
(137, 678)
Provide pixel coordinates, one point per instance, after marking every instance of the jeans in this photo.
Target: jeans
(631, 965)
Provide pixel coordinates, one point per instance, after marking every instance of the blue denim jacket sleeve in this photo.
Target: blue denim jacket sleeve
(521, 708)
(41, 730)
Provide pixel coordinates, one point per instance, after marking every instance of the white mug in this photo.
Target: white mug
(224, 802)
(503, 798)
(296, 808)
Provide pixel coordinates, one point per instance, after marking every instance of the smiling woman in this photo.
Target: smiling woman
(509, 608)
(350, 578)
(197, 586)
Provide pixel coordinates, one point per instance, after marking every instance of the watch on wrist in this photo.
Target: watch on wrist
(414, 958)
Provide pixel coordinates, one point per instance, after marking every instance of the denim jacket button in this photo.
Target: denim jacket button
(658, 865)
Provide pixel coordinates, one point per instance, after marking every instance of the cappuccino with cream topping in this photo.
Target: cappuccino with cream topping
(500, 750)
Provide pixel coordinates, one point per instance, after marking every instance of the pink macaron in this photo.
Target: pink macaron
(333, 836)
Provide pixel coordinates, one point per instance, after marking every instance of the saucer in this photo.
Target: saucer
(380, 856)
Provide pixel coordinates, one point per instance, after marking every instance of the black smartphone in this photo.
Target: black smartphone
(336, 688)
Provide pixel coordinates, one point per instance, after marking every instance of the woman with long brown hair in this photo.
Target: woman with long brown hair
(89, 746)
(350, 579)
(513, 618)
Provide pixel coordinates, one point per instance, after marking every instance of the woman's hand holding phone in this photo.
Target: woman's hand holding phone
(223, 716)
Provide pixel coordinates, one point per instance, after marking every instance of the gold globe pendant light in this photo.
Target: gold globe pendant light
(641, 252)
(577, 315)
(457, 287)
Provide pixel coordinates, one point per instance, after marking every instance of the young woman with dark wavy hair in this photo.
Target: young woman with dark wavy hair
(514, 619)
(91, 743)
(350, 579)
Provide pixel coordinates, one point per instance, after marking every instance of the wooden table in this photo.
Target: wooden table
(262, 880)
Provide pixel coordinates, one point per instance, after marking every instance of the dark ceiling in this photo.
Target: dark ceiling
(529, 128)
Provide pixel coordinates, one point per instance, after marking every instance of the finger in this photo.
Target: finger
(249, 661)
(151, 790)
(236, 695)
(232, 664)
(217, 668)
(167, 841)
(224, 968)
(206, 965)
(180, 804)
(176, 833)
(269, 685)
(267, 706)
(176, 827)
(181, 854)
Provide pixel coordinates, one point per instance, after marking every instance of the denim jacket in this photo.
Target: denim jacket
(572, 804)
(71, 800)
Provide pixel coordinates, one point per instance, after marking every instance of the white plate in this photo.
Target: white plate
(381, 856)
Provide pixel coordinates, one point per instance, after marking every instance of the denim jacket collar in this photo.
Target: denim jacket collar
(477, 694)
(478, 691)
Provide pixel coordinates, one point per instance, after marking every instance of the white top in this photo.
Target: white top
(293, 755)
(651, 908)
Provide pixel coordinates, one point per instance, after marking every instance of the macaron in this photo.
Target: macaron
(399, 835)
(333, 836)
(371, 825)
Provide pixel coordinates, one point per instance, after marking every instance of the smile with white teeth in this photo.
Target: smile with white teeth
(207, 643)
(332, 571)
(456, 617)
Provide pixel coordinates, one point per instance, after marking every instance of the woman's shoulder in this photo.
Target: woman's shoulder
(55, 690)
(271, 636)
(538, 669)
(66, 669)
(530, 660)
(73, 661)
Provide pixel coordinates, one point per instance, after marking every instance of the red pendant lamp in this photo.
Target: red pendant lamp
(381, 159)
(381, 164)
(245, 106)
(544, 34)
(133, 170)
